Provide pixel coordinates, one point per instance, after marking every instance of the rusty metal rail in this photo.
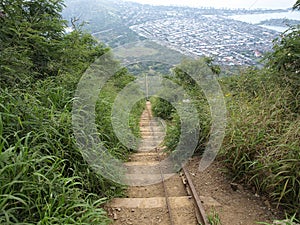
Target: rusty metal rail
(166, 192)
(201, 212)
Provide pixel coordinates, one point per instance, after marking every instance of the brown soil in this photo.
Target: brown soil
(124, 216)
(238, 205)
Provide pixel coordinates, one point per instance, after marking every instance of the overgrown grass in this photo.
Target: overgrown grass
(164, 110)
(33, 189)
(43, 176)
(195, 96)
(262, 142)
(261, 146)
(104, 109)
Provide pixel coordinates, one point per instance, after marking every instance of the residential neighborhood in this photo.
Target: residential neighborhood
(228, 41)
(217, 33)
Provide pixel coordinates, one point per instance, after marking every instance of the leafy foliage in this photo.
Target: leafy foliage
(286, 53)
(262, 142)
(104, 109)
(34, 43)
(43, 176)
(297, 5)
(166, 111)
(285, 58)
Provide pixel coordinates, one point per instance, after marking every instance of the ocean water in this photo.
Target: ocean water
(256, 18)
(276, 28)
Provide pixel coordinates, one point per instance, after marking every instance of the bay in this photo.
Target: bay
(257, 18)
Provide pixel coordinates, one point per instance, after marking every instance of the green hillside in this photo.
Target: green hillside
(44, 178)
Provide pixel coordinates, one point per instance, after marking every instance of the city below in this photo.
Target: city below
(191, 31)
(228, 41)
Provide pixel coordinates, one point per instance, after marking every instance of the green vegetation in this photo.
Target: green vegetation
(104, 114)
(261, 146)
(214, 218)
(166, 111)
(137, 52)
(291, 221)
(163, 109)
(43, 176)
(262, 142)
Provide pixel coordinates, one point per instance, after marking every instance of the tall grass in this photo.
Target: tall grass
(43, 176)
(33, 189)
(262, 143)
(104, 109)
(163, 109)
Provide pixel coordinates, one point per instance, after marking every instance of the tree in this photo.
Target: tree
(34, 44)
(284, 60)
(297, 5)
(286, 49)
(286, 52)
(30, 35)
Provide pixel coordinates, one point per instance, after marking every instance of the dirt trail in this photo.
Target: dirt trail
(147, 205)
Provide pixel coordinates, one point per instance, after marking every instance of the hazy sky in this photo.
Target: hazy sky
(248, 4)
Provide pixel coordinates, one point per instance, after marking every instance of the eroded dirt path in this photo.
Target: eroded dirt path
(237, 204)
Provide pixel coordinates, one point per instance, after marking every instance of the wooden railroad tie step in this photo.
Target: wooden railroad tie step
(149, 124)
(146, 179)
(140, 154)
(149, 203)
(159, 202)
(141, 163)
